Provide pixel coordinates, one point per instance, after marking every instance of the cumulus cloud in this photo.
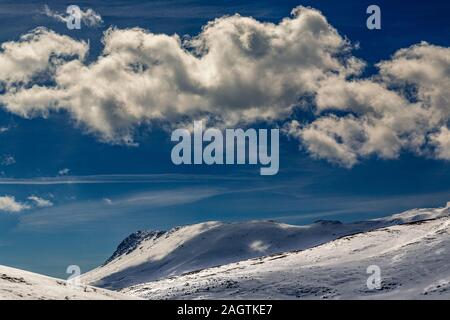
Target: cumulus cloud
(9, 204)
(36, 54)
(321, 138)
(406, 107)
(236, 71)
(441, 140)
(88, 16)
(40, 202)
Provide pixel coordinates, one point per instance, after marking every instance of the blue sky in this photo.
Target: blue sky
(112, 190)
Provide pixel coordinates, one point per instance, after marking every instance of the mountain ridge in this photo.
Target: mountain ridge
(412, 259)
(153, 255)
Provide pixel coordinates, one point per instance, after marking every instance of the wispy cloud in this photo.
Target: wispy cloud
(8, 160)
(310, 208)
(118, 178)
(87, 211)
(63, 172)
(40, 202)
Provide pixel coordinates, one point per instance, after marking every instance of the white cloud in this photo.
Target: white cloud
(9, 204)
(441, 140)
(81, 212)
(403, 108)
(320, 139)
(8, 160)
(35, 54)
(236, 70)
(64, 171)
(40, 202)
(114, 179)
(89, 17)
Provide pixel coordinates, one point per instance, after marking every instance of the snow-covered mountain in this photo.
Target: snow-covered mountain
(150, 256)
(414, 260)
(265, 259)
(18, 284)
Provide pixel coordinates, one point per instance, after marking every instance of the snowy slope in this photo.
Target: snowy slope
(17, 284)
(157, 255)
(414, 259)
(149, 256)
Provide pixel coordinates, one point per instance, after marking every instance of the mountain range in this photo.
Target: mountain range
(265, 259)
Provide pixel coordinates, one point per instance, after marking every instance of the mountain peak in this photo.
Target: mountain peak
(130, 243)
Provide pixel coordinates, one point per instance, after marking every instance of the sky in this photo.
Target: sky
(86, 116)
